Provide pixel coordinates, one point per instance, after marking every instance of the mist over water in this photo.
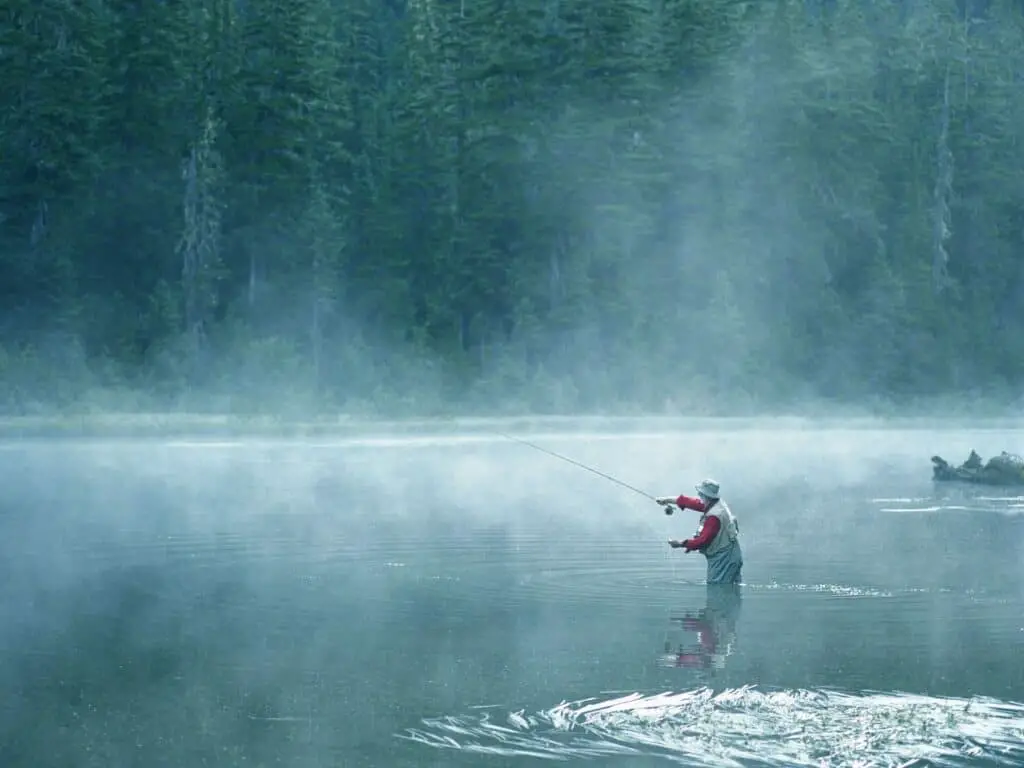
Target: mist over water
(465, 600)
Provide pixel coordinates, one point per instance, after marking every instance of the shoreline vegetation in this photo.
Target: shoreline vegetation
(169, 425)
(407, 209)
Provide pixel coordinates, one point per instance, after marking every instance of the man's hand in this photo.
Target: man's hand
(666, 500)
(676, 544)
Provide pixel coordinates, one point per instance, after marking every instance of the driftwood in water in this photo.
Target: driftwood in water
(1006, 469)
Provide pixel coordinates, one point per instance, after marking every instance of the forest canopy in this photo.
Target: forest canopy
(411, 206)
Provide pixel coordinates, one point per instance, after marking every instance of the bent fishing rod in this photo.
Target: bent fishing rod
(599, 473)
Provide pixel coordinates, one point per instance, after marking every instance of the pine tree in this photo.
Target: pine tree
(289, 131)
(54, 95)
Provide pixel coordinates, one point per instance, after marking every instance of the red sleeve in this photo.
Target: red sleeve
(707, 533)
(688, 502)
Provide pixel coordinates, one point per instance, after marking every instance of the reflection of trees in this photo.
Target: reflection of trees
(715, 628)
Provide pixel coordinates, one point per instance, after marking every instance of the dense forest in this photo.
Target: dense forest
(538, 205)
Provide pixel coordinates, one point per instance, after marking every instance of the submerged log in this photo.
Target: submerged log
(1006, 469)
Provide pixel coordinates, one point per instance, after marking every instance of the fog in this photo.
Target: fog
(258, 360)
(186, 600)
(679, 210)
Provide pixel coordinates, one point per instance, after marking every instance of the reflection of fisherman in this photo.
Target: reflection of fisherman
(718, 536)
(715, 626)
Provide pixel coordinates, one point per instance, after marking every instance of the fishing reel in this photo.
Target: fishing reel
(668, 509)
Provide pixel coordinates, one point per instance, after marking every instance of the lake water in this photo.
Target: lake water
(471, 601)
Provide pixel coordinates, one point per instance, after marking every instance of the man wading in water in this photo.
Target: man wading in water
(718, 537)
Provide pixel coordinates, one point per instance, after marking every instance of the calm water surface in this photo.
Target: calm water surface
(474, 602)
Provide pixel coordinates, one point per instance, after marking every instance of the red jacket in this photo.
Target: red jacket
(711, 524)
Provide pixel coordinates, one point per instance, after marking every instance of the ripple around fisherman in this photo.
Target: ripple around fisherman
(1005, 470)
(718, 537)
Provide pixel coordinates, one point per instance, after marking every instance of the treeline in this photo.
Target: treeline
(545, 205)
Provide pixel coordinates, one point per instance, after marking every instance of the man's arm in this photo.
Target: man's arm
(688, 502)
(707, 533)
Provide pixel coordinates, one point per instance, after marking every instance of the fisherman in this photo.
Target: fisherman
(718, 536)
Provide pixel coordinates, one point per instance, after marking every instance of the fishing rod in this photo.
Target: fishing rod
(597, 472)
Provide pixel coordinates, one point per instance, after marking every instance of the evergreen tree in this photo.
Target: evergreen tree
(409, 204)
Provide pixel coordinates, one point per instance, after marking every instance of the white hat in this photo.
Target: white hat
(708, 488)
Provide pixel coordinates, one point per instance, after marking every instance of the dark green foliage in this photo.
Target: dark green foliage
(413, 205)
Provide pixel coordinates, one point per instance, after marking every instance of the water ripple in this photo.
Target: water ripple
(1009, 506)
(748, 727)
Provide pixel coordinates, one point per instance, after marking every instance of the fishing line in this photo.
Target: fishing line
(599, 473)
